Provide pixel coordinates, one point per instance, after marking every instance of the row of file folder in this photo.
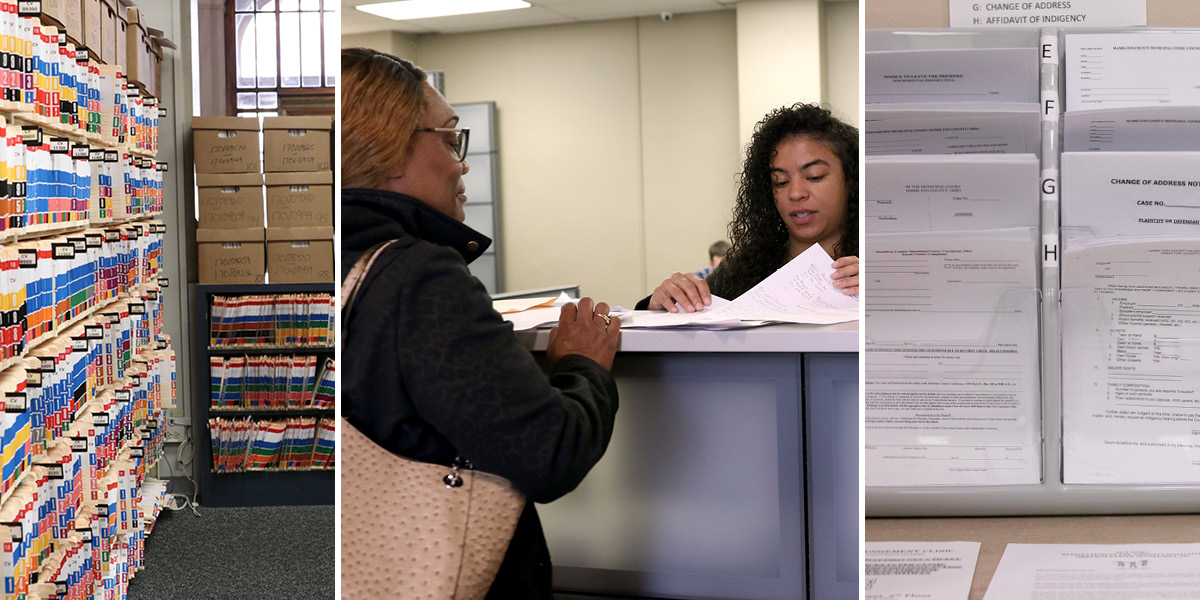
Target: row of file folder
(79, 515)
(271, 382)
(47, 75)
(105, 363)
(46, 283)
(47, 179)
(272, 320)
(249, 444)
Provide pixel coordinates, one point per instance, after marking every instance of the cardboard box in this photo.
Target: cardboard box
(226, 145)
(137, 48)
(297, 144)
(109, 32)
(300, 255)
(300, 199)
(230, 201)
(121, 50)
(68, 13)
(230, 255)
(91, 28)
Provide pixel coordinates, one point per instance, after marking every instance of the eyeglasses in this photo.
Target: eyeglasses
(460, 139)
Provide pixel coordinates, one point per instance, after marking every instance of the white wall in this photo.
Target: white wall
(620, 140)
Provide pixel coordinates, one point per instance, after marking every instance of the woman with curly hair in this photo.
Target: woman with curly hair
(798, 187)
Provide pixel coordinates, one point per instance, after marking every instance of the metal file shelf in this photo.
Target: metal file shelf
(250, 488)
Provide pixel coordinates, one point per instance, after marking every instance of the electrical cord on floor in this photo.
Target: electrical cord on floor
(183, 498)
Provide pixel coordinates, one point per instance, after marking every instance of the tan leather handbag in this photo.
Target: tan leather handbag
(412, 529)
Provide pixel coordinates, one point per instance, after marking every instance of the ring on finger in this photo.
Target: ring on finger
(607, 319)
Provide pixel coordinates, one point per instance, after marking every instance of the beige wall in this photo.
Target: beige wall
(690, 150)
(570, 153)
(779, 57)
(842, 59)
(620, 140)
(936, 13)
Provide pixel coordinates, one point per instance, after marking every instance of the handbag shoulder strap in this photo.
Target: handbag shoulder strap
(358, 273)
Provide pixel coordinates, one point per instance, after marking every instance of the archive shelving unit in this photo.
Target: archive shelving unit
(250, 488)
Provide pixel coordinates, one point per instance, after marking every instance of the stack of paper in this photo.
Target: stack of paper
(931, 570)
(958, 93)
(799, 292)
(1130, 317)
(1125, 94)
(952, 354)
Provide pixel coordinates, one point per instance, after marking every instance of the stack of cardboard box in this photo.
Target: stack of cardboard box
(297, 159)
(298, 186)
(229, 237)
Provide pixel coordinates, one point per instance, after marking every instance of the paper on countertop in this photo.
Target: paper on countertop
(1112, 572)
(1132, 69)
(515, 305)
(927, 570)
(801, 291)
(544, 317)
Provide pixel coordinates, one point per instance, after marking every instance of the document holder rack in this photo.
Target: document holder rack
(1079, 325)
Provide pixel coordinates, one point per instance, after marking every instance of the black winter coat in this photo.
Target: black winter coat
(430, 371)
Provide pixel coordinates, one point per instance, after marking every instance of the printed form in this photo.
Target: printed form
(801, 291)
(1131, 318)
(951, 193)
(1129, 70)
(952, 369)
(1111, 572)
(990, 128)
(926, 570)
(952, 75)
(952, 355)
(952, 101)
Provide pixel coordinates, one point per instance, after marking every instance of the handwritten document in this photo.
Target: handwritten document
(799, 292)
(927, 570)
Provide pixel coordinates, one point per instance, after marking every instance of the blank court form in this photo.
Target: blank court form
(952, 359)
(1126, 70)
(952, 356)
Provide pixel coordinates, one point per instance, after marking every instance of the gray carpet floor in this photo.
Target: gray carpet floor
(265, 553)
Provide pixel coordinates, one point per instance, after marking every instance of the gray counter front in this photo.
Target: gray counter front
(732, 473)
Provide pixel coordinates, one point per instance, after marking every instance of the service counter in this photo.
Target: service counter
(732, 472)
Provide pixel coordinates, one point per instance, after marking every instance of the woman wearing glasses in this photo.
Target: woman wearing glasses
(798, 187)
(430, 371)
